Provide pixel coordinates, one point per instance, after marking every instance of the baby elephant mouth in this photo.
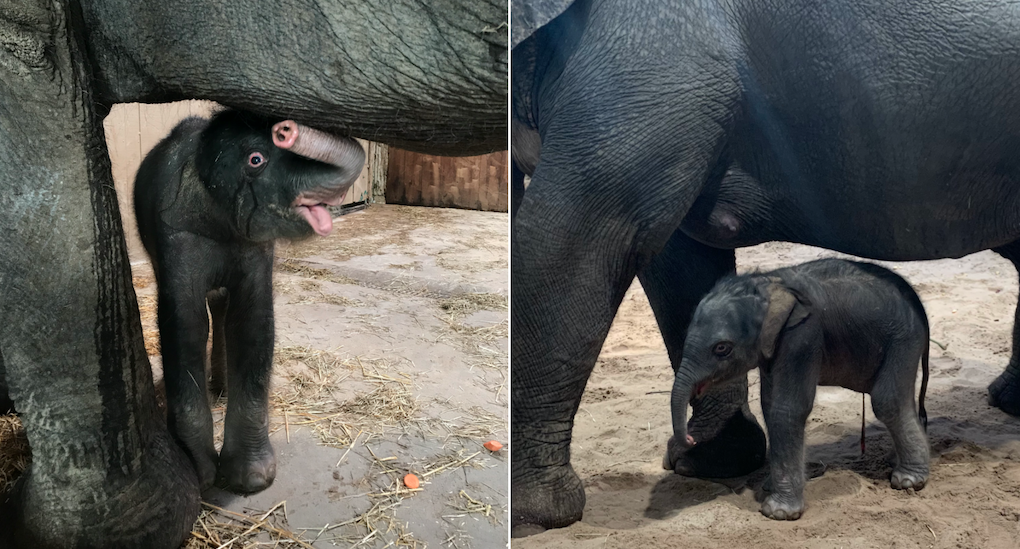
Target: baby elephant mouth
(700, 388)
(313, 207)
(342, 153)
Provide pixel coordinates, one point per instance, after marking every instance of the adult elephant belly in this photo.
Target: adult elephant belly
(884, 220)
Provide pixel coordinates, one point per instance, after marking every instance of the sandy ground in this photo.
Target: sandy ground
(391, 358)
(972, 499)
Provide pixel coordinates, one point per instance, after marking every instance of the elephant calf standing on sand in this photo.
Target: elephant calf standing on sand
(210, 200)
(827, 322)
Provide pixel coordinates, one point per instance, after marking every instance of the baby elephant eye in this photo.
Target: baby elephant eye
(255, 159)
(722, 349)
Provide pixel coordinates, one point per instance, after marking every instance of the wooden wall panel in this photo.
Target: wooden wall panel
(473, 182)
(132, 130)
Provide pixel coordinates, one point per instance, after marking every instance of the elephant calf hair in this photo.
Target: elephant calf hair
(827, 322)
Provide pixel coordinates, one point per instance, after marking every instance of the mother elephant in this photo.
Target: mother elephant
(423, 75)
(662, 135)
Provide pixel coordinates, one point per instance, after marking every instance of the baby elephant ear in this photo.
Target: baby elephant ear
(783, 311)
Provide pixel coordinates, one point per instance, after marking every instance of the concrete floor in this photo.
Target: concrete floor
(411, 303)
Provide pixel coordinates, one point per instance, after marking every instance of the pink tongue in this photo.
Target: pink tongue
(318, 217)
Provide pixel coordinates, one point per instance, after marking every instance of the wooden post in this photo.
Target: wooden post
(379, 162)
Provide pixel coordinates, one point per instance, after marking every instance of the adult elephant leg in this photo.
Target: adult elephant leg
(105, 472)
(604, 200)
(516, 190)
(6, 404)
(568, 281)
(1004, 392)
(730, 441)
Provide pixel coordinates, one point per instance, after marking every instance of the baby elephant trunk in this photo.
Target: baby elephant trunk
(680, 397)
(343, 152)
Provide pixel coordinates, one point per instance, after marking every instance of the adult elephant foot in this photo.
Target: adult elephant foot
(1004, 392)
(729, 441)
(551, 497)
(739, 449)
(153, 506)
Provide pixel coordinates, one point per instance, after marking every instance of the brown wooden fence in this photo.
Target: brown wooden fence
(474, 182)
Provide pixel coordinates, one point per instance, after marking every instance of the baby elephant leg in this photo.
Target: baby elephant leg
(892, 399)
(247, 462)
(217, 300)
(786, 419)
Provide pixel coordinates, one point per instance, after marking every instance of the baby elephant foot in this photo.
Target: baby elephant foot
(246, 472)
(904, 479)
(205, 466)
(203, 457)
(782, 508)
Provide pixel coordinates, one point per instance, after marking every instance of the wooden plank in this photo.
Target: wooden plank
(121, 127)
(478, 182)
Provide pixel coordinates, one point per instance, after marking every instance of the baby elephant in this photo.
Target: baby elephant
(827, 322)
(210, 200)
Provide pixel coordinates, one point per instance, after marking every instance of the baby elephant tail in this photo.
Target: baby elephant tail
(922, 414)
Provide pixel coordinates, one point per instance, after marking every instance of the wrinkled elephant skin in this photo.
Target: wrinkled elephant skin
(850, 324)
(660, 136)
(426, 76)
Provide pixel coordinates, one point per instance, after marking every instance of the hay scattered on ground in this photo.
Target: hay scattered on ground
(452, 460)
(310, 291)
(15, 454)
(477, 425)
(465, 304)
(290, 266)
(474, 336)
(467, 505)
(378, 526)
(218, 528)
(142, 281)
(316, 395)
(470, 266)
(412, 266)
(389, 225)
(459, 306)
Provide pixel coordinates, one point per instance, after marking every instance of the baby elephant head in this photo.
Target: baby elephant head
(735, 329)
(275, 179)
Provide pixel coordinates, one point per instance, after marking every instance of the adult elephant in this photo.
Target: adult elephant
(660, 136)
(424, 75)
